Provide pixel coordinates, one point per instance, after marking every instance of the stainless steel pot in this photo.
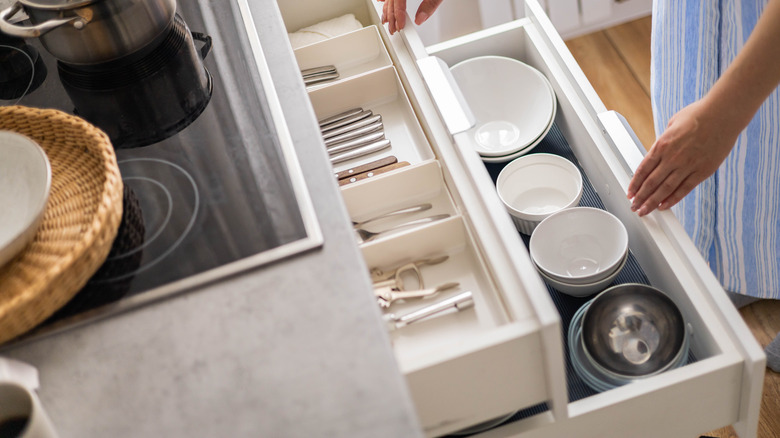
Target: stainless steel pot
(91, 31)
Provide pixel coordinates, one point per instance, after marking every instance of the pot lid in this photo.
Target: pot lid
(56, 5)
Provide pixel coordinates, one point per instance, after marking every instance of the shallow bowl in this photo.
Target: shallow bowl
(25, 181)
(633, 330)
(535, 186)
(579, 244)
(513, 103)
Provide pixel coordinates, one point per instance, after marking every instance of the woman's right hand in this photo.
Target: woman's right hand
(695, 143)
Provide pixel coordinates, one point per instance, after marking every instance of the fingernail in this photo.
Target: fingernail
(634, 206)
(421, 17)
(643, 211)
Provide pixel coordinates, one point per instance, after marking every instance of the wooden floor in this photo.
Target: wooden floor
(617, 63)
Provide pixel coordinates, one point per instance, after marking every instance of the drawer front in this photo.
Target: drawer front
(508, 354)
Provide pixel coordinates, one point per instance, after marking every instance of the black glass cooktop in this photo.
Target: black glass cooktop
(219, 195)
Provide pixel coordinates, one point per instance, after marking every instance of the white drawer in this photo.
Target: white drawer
(509, 354)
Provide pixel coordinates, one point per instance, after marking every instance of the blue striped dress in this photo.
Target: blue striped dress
(734, 216)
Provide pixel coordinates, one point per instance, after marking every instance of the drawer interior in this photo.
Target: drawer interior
(437, 166)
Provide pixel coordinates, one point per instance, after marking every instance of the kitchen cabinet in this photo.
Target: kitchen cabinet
(507, 356)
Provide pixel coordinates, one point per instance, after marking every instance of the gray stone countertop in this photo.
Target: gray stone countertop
(294, 349)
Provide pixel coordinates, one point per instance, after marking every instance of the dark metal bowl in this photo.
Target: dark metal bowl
(633, 330)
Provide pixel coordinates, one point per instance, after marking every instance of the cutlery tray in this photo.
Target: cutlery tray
(381, 92)
(352, 54)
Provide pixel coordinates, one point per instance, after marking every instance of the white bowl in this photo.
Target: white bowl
(535, 186)
(513, 103)
(579, 243)
(581, 290)
(25, 181)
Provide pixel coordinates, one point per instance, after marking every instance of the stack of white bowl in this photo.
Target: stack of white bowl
(535, 186)
(513, 103)
(579, 250)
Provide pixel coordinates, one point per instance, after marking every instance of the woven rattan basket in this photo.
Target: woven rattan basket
(79, 224)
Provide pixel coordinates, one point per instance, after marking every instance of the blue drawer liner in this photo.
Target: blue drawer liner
(555, 143)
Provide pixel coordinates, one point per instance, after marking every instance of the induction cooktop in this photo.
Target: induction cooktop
(221, 194)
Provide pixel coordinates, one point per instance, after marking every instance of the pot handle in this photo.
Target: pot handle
(32, 31)
(206, 40)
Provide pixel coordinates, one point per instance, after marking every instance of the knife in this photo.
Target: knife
(339, 116)
(360, 152)
(353, 134)
(371, 173)
(367, 167)
(310, 80)
(318, 70)
(346, 121)
(356, 143)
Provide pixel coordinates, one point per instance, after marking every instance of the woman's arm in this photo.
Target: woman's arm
(699, 137)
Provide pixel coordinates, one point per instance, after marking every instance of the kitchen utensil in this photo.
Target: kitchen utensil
(349, 145)
(386, 296)
(340, 116)
(633, 330)
(372, 173)
(366, 236)
(579, 245)
(325, 69)
(316, 79)
(91, 31)
(360, 152)
(25, 182)
(534, 186)
(364, 168)
(443, 307)
(345, 121)
(403, 211)
(395, 276)
(348, 127)
(357, 132)
(512, 102)
(148, 99)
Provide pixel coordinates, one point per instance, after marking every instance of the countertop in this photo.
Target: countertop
(293, 349)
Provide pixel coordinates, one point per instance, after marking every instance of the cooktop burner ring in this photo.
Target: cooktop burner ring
(161, 234)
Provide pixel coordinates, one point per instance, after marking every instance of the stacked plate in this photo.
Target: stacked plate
(579, 250)
(514, 105)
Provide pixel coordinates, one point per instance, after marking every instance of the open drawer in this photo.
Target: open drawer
(514, 360)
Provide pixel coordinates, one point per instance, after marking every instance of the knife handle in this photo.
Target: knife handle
(370, 173)
(367, 167)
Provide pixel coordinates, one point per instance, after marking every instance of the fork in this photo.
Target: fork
(366, 236)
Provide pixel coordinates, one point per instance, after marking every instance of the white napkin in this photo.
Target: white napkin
(324, 30)
(19, 372)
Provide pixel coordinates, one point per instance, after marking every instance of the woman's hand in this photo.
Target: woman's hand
(694, 145)
(394, 13)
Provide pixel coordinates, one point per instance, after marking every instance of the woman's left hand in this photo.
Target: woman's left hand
(394, 13)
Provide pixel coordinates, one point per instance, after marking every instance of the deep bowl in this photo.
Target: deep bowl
(579, 244)
(633, 330)
(25, 181)
(512, 102)
(535, 186)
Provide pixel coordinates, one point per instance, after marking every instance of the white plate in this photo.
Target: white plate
(25, 181)
(512, 102)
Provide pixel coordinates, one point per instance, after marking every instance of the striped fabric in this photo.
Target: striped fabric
(734, 216)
